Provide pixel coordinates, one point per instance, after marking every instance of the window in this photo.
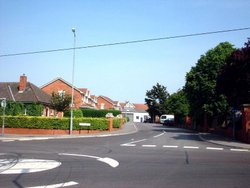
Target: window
(61, 93)
(102, 106)
(137, 117)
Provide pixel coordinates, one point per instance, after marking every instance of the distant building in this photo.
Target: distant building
(135, 112)
(26, 93)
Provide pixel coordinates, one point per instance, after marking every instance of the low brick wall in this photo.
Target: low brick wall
(24, 131)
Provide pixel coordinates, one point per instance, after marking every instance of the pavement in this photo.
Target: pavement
(221, 140)
(128, 128)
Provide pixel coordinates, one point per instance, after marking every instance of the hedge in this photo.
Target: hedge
(98, 113)
(58, 123)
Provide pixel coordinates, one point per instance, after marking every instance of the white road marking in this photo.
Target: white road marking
(131, 143)
(8, 140)
(149, 146)
(212, 148)
(111, 162)
(159, 135)
(170, 146)
(246, 150)
(31, 165)
(66, 184)
(190, 147)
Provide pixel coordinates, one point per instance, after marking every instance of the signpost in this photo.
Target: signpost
(85, 125)
(3, 105)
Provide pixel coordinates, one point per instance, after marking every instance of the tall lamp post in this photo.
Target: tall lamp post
(72, 89)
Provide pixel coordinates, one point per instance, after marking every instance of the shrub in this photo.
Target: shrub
(34, 109)
(77, 113)
(18, 108)
(54, 123)
(98, 113)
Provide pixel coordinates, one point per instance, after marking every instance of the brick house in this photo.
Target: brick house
(105, 103)
(26, 93)
(82, 97)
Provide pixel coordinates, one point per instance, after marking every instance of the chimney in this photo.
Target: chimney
(22, 83)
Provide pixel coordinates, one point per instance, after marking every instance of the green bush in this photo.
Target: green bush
(34, 109)
(98, 113)
(54, 123)
(18, 108)
(76, 113)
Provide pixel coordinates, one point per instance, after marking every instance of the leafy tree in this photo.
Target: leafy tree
(234, 80)
(156, 100)
(200, 84)
(60, 102)
(178, 105)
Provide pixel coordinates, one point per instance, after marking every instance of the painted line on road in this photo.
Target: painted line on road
(129, 145)
(190, 147)
(159, 134)
(111, 162)
(8, 140)
(149, 146)
(132, 143)
(170, 146)
(66, 184)
(212, 148)
(30, 166)
(245, 150)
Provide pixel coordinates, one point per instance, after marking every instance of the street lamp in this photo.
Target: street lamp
(72, 89)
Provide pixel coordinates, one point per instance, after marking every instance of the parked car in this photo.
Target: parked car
(165, 117)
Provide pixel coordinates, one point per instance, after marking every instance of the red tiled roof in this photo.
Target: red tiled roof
(140, 106)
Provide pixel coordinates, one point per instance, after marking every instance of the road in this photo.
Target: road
(155, 156)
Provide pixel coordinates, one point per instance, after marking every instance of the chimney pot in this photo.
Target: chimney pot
(22, 83)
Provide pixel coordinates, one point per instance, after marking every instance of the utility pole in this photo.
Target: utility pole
(72, 89)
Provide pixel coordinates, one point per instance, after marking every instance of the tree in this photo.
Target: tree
(60, 102)
(200, 84)
(177, 104)
(234, 79)
(156, 100)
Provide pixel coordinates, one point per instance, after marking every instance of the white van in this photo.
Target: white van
(165, 117)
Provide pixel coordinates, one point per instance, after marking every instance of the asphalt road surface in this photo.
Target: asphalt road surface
(155, 156)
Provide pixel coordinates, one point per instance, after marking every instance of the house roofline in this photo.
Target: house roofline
(59, 78)
(107, 99)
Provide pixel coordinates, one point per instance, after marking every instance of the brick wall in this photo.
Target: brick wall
(107, 105)
(60, 85)
(246, 123)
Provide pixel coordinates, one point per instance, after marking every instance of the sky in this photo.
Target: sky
(120, 72)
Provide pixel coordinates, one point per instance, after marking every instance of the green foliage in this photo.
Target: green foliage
(156, 100)
(34, 109)
(60, 102)
(17, 108)
(178, 105)
(98, 113)
(200, 86)
(77, 113)
(234, 79)
(55, 123)
(13, 108)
